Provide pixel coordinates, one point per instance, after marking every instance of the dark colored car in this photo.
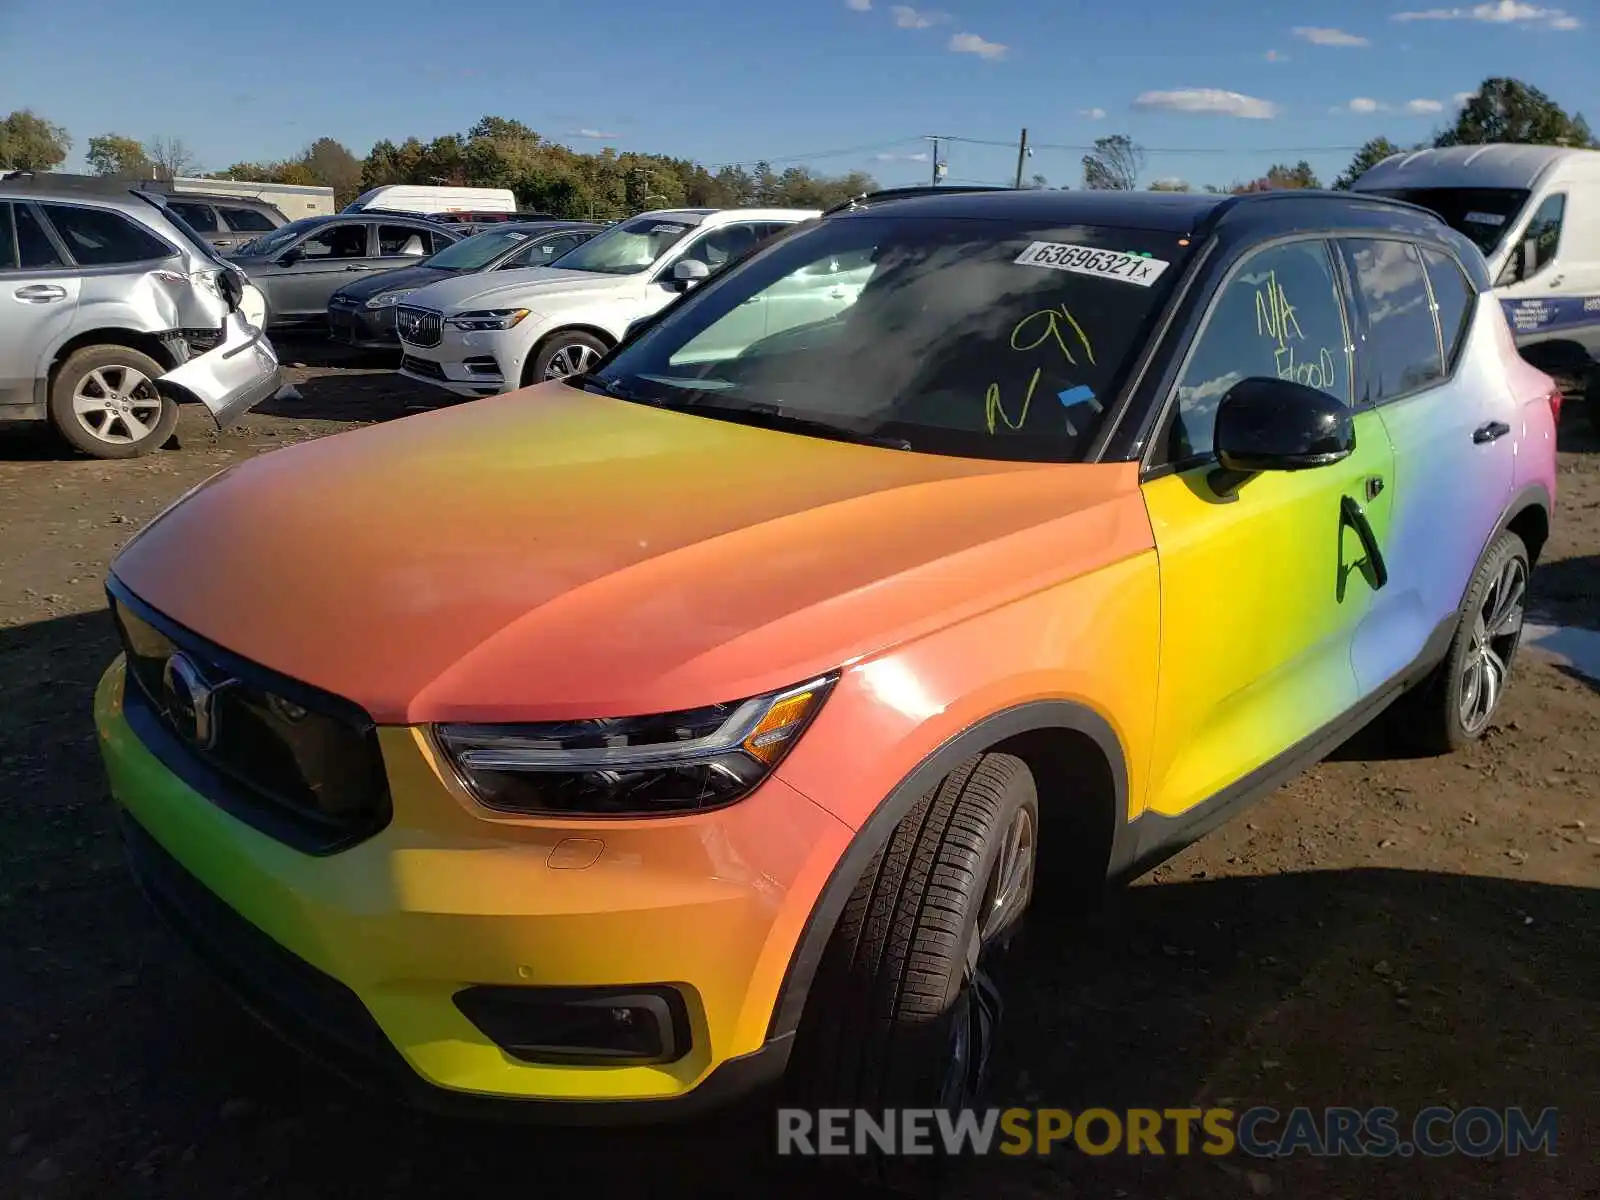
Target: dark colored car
(300, 266)
(362, 313)
(227, 222)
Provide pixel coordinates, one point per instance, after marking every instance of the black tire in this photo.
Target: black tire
(904, 976)
(156, 415)
(1450, 709)
(568, 344)
(1591, 402)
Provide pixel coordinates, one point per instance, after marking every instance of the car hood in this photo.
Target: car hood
(551, 554)
(500, 288)
(392, 281)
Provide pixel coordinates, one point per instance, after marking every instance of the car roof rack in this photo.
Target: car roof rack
(906, 193)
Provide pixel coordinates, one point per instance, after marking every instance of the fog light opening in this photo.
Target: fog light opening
(581, 1026)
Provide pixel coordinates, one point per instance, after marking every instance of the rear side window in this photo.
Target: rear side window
(8, 240)
(98, 237)
(200, 216)
(405, 240)
(1452, 300)
(1402, 346)
(246, 220)
(34, 247)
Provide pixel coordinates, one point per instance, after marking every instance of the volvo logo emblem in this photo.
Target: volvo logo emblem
(190, 699)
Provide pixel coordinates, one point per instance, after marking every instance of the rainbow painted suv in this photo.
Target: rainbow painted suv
(596, 745)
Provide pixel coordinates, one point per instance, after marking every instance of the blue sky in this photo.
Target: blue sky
(1214, 97)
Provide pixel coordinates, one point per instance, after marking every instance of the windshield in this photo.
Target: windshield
(1483, 214)
(626, 249)
(269, 244)
(476, 251)
(978, 338)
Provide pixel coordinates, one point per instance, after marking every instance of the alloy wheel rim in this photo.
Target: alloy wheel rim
(975, 1014)
(117, 405)
(1496, 631)
(570, 360)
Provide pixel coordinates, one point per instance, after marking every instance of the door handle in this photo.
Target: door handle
(1490, 431)
(40, 293)
(1350, 514)
(223, 242)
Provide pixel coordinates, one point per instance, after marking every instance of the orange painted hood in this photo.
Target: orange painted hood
(553, 554)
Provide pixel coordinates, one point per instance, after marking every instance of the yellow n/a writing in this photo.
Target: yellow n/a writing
(1275, 319)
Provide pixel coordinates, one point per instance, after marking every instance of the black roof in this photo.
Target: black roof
(1172, 212)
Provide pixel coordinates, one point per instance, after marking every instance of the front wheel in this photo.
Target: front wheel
(903, 1012)
(564, 354)
(1455, 705)
(103, 400)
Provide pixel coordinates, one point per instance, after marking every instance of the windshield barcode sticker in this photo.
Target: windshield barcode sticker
(666, 229)
(1478, 218)
(1138, 269)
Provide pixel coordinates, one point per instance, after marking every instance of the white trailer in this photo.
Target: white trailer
(292, 199)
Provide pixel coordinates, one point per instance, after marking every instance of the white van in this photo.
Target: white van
(1534, 211)
(406, 198)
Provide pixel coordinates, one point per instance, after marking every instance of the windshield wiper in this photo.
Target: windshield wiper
(773, 417)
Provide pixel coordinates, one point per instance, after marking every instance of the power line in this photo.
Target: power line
(786, 158)
(1164, 149)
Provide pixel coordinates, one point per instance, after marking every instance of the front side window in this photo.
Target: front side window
(336, 241)
(627, 249)
(980, 338)
(1278, 316)
(1543, 235)
(98, 237)
(245, 220)
(1402, 345)
(718, 247)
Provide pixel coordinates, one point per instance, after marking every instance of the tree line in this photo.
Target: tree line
(549, 176)
(1501, 110)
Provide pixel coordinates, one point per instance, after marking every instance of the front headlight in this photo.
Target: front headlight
(389, 299)
(487, 318)
(674, 763)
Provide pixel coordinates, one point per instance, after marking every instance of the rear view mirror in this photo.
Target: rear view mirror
(1266, 424)
(291, 256)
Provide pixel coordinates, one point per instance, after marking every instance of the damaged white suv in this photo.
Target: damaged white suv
(112, 312)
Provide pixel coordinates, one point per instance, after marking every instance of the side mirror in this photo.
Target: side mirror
(689, 272)
(291, 256)
(1266, 424)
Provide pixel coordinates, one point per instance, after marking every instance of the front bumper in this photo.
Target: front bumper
(465, 362)
(358, 956)
(230, 379)
(362, 327)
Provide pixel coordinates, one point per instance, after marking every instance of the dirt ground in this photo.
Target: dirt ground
(1383, 931)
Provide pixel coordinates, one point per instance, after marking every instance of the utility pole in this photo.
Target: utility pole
(1022, 153)
(935, 178)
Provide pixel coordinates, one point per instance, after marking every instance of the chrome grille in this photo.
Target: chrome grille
(418, 326)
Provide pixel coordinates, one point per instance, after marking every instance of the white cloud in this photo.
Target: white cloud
(1462, 99)
(1321, 36)
(1503, 12)
(1093, 114)
(907, 17)
(920, 157)
(593, 133)
(971, 43)
(1363, 105)
(1276, 56)
(859, 5)
(1214, 101)
(1420, 107)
